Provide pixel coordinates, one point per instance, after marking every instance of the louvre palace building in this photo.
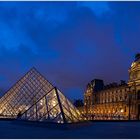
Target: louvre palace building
(114, 101)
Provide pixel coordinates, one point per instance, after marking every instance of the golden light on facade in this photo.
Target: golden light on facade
(132, 64)
(113, 99)
(122, 110)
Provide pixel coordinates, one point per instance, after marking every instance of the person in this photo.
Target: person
(19, 115)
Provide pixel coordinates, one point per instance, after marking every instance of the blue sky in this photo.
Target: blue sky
(70, 43)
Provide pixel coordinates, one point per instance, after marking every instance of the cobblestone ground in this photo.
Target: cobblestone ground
(93, 130)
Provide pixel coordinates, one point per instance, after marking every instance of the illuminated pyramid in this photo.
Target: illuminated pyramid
(31, 87)
(36, 99)
(53, 107)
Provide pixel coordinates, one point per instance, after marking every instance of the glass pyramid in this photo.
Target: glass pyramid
(31, 87)
(36, 99)
(53, 107)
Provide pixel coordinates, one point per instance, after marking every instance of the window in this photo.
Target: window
(138, 94)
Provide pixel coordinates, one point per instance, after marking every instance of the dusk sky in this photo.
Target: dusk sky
(70, 43)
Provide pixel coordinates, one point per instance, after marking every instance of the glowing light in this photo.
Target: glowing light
(132, 64)
(26, 107)
(41, 102)
(53, 103)
(20, 108)
(122, 110)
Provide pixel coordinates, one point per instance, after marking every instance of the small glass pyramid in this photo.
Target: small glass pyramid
(36, 99)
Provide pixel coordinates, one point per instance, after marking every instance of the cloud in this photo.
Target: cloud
(99, 8)
(71, 43)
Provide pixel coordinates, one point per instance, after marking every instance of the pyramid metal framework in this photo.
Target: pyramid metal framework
(34, 98)
(53, 107)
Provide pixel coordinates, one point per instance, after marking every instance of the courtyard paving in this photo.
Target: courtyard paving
(117, 130)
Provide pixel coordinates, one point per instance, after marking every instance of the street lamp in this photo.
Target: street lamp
(129, 104)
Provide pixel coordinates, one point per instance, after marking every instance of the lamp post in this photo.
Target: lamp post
(135, 93)
(132, 97)
(129, 104)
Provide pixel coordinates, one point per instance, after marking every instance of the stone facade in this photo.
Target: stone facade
(114, 101)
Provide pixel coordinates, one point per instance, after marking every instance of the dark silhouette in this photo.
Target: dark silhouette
(19, 115)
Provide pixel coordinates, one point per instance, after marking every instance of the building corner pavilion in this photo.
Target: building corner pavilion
(114, 101)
